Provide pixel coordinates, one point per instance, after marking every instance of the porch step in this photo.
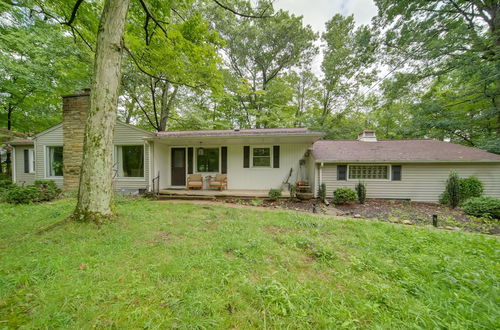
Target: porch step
(185, 197)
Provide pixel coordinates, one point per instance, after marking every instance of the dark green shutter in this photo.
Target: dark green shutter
(223, 158)
(341, 172)
(276, 156)
(396, 172)
(190, 160)
(26, 161)
(246, 156)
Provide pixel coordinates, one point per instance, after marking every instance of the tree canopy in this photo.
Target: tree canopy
(420, 69)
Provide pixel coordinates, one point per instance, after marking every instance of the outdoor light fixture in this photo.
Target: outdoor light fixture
(201, 151)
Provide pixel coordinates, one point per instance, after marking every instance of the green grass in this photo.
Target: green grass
(164, 265)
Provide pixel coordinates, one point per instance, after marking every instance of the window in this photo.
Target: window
(29, 161)
(261, 157)
(396, 172)
(130, 160)
(207, 159)
(55, 161)
(370, 172)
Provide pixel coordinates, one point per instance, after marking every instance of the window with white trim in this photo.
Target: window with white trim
(31, 155)
(130, 161)
(261, 157)
(55, 161)
(369, 172)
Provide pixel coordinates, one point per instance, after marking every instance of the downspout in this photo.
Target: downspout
(320, 175)
(13, 164)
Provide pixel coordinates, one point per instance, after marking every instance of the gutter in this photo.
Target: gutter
(399, 161)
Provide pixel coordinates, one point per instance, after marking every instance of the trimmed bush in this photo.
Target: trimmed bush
(470, 187)
(322, 192)
(361, 191)
(467, 188)
(344, 195)
(48, 188)
(274, 194)
(482, 206)
(23, 195)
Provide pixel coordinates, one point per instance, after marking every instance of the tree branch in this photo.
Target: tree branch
(73, 12)
(261, 15)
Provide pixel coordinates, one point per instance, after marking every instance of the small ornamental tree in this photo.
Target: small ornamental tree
(361, 191)
(452, 189)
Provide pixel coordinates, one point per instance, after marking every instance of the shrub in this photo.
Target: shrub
(361, 191)
(322, 192)
(467, 188)
(23, 195)
(6, 184)
(470, 187)
(344, 195)
(293, 191)
(451, 194)
(482, 206)
(274, 194)
(48, 188)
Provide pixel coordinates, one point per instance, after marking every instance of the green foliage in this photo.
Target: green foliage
(39, 62)
(41, 190)
(467, 188)
(49, 189)
(5, 184)
(293, 191)
(372, 274)
(361, 192)
(344, 195)
(451, 194)
(482, 207)
(23, 195)
(322, 192)
(470, 187)
(274, 194)
(256, 202)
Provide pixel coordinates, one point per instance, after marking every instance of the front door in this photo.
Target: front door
(178, 166)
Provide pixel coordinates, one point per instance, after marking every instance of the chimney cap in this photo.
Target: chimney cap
(83, 92)
(368, 135)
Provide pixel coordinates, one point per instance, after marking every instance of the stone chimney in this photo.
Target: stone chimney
(75, 109)
(367, 136)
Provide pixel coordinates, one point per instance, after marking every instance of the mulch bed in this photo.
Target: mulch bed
(416, 213)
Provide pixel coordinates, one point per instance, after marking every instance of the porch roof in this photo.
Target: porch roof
(255, 135)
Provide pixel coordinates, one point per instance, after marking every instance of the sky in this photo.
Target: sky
(317, 12)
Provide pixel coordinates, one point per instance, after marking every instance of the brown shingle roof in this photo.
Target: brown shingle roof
(241, 132)
(397, 150)
(21, 142)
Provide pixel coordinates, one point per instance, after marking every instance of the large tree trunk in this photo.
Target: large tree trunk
(96, 189)
(167, 101)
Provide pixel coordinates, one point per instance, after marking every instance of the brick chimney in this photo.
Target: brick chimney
(367, 136)
(75, 109)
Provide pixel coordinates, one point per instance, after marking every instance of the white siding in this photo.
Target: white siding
(128, 135)
(265, 178)
(54, 137)
(124, 135)
(238, 177)
(419, 182)
(21, 177)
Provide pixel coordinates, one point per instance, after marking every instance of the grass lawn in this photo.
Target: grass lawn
(192, 266)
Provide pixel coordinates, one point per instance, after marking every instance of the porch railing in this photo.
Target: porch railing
(156, 184)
